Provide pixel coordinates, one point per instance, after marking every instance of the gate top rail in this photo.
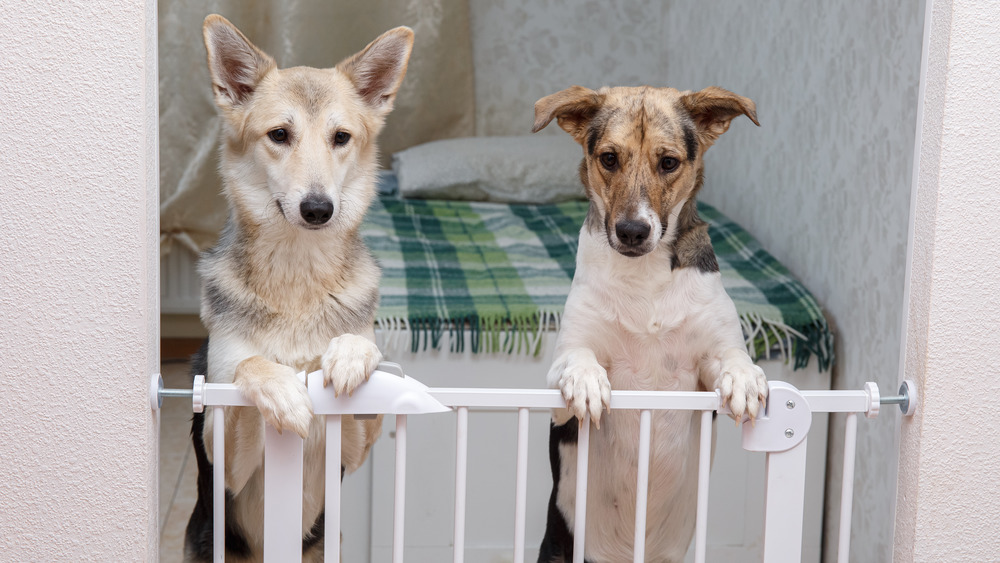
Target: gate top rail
(388, 391)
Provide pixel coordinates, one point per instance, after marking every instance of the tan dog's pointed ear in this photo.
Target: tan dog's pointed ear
(714, 108)
(378, 69)
(574, 107)
(236, 65)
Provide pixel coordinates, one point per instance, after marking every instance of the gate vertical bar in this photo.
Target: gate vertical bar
(218, 484)
(521, 484)
(642, 488)
(331, 545)
(399, 505)
(580, 517)
(783, 504)
(282, 495)
(704, 469)
(847, 487)
(461, 467)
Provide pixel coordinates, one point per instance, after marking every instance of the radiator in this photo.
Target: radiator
(180, 286)
(781, 432)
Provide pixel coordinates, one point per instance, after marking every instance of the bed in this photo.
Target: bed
(501, 272)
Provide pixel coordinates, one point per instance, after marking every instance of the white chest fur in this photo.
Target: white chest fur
(650, 328)
(648, 325)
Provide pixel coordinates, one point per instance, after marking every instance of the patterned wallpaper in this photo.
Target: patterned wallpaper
(526, 49)
(824, 183)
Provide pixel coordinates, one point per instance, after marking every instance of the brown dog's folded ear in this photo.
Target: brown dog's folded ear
(574, 107)
(714, 108)
(378, 69)
(236, 65)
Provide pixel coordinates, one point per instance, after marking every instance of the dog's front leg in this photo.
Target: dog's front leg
(281, 400)
(742, 383)
(279, 395)
(349, 361)
(584, 384)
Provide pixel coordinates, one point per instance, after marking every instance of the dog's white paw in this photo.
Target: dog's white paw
(281, 399)
(585, 387)
(348, 362)
(744, 389)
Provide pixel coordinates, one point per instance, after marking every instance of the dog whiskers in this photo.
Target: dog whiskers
(266, 215)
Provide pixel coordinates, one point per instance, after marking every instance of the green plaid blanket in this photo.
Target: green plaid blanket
(502, 272)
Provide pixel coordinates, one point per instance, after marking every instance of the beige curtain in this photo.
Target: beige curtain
(435, 101)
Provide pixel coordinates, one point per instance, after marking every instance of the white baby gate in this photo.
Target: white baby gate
(780, 432)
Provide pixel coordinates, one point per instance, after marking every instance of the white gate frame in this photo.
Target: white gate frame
(780, 432)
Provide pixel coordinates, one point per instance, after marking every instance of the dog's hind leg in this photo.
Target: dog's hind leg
(373, 429)
(557, 544)
(198, 539)
(357, 437)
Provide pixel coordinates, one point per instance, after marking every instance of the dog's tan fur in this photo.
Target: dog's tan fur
(641, 126)
(646, 311)
(285, 291)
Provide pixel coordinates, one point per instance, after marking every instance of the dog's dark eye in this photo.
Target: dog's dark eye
(278, 135)
(341, 138)
(609, 160)
(669, 164)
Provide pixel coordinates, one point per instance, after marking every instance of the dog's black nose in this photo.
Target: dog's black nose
(316, 210)
(632, 233)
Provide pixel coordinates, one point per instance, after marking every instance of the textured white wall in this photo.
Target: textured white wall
(824, 183)
(949, 455)
(79, 308)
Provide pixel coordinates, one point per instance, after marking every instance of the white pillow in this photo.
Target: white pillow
(528, 169)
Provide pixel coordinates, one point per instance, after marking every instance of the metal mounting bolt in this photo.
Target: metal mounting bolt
(790, 404)
(906, 399)
(789, 433)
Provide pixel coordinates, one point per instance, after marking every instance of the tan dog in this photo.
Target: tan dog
(290, 285)
(647, 311)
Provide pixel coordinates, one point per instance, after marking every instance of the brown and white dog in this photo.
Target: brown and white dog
(290, 286)
(647, 311)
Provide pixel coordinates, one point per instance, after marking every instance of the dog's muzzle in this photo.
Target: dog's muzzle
(316, 210)
(632, 237)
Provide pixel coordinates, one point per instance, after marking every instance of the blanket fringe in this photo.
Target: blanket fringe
(523, 334)
(526, 334)
(768, 339)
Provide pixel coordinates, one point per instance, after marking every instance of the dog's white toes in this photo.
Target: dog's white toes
(297, 419)
(753, 406)
(586, 389)
(282, 401)
(744, 389)
(568, 394)
(761, 385)
(576, 400)
(348, 362)
(737, 400)
(582, 394)
(606, 393)
(726, 388)
(601, 391)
